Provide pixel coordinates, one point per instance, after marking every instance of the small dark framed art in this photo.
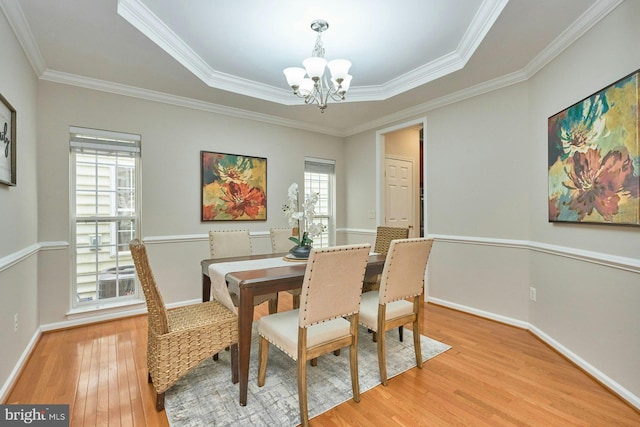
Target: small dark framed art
(594, 157)
(234, 187)
(7, 142)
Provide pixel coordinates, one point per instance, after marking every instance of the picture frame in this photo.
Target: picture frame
(7, 143)
(234, 187)
(594, 157)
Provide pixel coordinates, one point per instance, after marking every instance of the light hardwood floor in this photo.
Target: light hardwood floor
(494, 375)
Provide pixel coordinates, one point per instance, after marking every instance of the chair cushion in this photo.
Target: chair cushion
(369, 309)
(281, 330)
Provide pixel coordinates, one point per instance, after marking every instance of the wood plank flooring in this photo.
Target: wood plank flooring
(495, 375)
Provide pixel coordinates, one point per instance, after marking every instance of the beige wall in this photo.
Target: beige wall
(172, 138)
(18, 210)
(486, 187)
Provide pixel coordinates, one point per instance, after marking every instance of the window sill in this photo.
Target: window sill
(106, 311)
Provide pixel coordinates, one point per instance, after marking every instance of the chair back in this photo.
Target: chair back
(155, 304)
(384, 236)
(280, 239)
(404, 269)
(332, 283)
(225, 244)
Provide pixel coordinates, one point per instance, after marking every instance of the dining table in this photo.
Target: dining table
(253, 275)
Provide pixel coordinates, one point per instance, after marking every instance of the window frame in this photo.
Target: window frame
(330, 170)
(100, 145)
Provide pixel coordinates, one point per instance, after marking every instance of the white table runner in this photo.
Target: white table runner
(218, 272)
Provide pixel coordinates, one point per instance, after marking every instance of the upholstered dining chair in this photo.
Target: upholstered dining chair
(331, 290)
(384, 236)
(280, 243)
(180, 338)
(387, 308)
(234, 243)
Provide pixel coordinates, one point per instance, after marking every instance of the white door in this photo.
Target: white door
(399, 193)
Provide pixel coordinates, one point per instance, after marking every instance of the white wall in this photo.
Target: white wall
(172, 138)
(486, 179)
(18, 210)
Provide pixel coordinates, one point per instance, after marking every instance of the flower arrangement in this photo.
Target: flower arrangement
(302, 215)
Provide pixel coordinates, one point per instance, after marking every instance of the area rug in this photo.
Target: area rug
(206, 396)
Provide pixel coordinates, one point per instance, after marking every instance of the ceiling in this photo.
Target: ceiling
(228, 56)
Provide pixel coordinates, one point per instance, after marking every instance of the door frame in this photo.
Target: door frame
(380, 156)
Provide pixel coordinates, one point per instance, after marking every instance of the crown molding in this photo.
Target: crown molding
(145, 21)
(490, 11)
(150, 95)
(584, 23)
(21, 29)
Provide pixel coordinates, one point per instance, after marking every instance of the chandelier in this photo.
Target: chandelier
(316, 87)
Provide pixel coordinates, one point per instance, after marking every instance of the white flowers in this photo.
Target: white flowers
(306, 215)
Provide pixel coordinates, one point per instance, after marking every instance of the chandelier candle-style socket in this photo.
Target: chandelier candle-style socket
(311, 82)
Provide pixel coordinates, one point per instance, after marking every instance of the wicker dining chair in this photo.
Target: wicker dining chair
(384, 236)
(319, 327)
(388, 308)
(180, 338)
(235, 243)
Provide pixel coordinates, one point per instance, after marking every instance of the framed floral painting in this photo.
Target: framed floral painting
(234, 187)
(594, 157)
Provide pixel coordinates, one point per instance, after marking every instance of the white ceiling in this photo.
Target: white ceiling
(228, 56)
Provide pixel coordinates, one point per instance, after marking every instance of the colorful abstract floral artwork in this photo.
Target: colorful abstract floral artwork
(234, 187)
(594, 157)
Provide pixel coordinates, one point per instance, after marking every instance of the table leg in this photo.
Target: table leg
(206, 288)
(245, 320)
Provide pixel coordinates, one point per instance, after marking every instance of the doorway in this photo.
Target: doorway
(404, 142)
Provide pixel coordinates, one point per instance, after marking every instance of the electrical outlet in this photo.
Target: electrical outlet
(532, 293)
(15, 322)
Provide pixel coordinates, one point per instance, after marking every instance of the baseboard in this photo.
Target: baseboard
(607, 382)
(17, 369)
(598, 375)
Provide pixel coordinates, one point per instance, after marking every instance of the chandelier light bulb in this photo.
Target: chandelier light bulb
(339, 69)
(314, 66)
(294, 76)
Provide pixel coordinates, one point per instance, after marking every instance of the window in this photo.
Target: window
(319, 177)
(105, 215)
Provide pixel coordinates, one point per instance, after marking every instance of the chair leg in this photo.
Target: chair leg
(374, 336)
(296, 301)
(302, 392)
(215, 357)
(159, 401)
(355, 383)
(382, 359)
(263, 355)
(400, 332)
(336, 352)
(149, 380)
(416, 344)
(273, 305)
(234, 364)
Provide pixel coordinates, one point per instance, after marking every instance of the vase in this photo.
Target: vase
(301, 252)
